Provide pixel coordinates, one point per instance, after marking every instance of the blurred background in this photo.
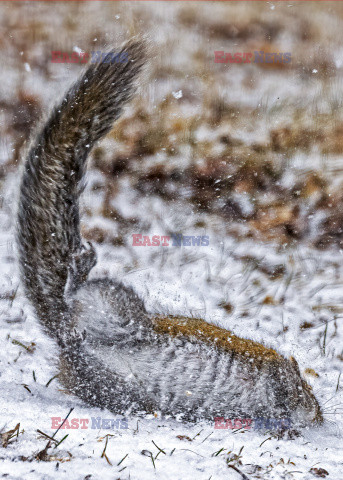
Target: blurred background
(257, 144)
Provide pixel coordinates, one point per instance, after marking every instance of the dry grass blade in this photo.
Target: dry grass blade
(103, 455)
(6, 437)
(239, 471)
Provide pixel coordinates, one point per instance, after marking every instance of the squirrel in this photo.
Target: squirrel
(113, 353)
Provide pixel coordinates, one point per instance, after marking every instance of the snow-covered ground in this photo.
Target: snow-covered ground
(191, 280)
(297, 311)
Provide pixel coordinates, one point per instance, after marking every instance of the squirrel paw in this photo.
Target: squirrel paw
(82, 263)
(73, 338)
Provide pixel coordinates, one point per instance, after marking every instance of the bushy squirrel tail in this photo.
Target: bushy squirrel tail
(48, 233)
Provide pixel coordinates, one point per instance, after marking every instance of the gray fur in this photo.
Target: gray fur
(111, 355)
(173, 375)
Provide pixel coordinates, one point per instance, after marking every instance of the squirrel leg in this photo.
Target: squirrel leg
(82, 263)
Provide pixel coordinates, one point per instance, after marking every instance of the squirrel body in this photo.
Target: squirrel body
(113, 353)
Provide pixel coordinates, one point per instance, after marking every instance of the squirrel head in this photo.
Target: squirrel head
(307, 407)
